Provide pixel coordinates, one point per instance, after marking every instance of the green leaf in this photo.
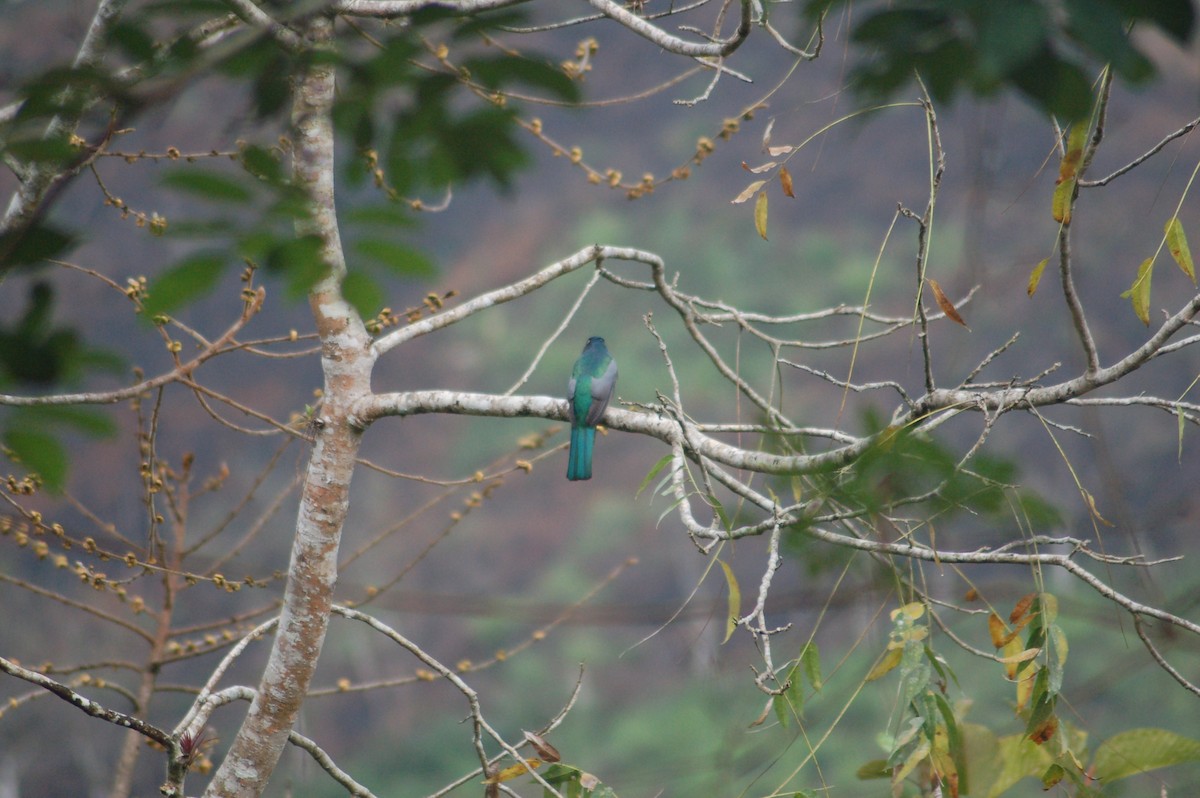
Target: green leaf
(1139, 293)
(1178, 245)
(782, 710)
(735, 600)
(1060, 206)
(84, 419)
(1058, 656)
(1139, 750)
(810, 658)
(1035, 277)
(209, 185)
(401, 259)
(659, 466)
(33, 244)
(40, 453)
(300, 261)
(875, 769)
(42, 150)
(363, 293)
(190, 279)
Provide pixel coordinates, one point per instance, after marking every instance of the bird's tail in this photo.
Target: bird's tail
(579, 461)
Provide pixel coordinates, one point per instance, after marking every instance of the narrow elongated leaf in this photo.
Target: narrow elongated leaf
(945, 304)
(758, 170)
(810, 658)
(1179, 418)
(760, 215)
(1060, 207)
(659, 466)
(1035, 277)
(1076, 139)
(735, 600)
(1058, 646)
(748, 192)
(1177, 243)
(889, 662)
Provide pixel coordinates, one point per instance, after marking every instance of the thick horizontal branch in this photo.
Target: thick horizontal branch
(662, 427)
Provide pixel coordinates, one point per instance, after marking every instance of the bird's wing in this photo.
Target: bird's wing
(602, 391)
(571, 399)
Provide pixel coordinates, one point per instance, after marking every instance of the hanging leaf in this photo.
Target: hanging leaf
(512, 771)
(775, 152)
(1076, 140)
(760, 215)
(1035, 276)
(1061, 204)
(1177, 243)
(889, 661)
(1179, 418)
(766, 139)
(945, 304)
(546, 751)
(758, 170)
(785, 181)
(1091, 503)
(810, 657)
(735, 600)
(1139, 292)
(748, 192)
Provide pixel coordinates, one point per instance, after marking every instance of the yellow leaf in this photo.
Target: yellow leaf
(760, 214)
(945, 304)
(1049, 604)
(735, 600)
(512, 771)
(999, 632)
(1021, 656)
(1035, 276)
(889, 661)
(1025, 687)
(1177, 243)
(1139, 292)
(1010, 649)
(1091, 503)
(748, 192)
(785, 182)
(1060, 645)
(1074, 154)
(912, 610)
(1061, 205)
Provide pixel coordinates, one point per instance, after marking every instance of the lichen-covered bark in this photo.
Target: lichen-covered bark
(346, 361)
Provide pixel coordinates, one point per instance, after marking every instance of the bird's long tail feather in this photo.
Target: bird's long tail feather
(579, 462)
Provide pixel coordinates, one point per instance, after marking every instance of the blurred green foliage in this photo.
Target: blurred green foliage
(1047, 51)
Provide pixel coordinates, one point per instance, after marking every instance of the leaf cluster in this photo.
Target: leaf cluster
(1044, 50)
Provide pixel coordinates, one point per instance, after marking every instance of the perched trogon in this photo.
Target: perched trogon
(592, 382)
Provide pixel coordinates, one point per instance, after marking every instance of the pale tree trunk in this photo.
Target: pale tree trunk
(346, 360)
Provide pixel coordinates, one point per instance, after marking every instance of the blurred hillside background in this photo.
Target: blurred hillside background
(665, 708)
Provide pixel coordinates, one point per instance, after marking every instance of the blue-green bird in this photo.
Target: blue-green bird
(592, 382)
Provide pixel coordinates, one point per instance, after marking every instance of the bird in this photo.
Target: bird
(593, 379)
